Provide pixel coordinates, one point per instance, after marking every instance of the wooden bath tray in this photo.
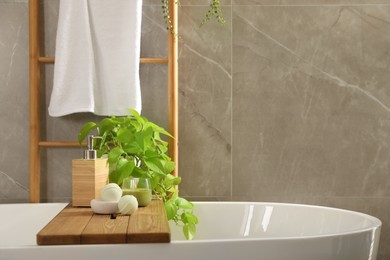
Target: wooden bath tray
(81, 226)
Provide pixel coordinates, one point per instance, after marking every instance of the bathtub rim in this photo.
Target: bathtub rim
(375, 222)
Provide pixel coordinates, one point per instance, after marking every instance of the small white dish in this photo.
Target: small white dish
(104, 207)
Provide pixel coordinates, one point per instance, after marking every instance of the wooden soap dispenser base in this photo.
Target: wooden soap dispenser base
(89, 175)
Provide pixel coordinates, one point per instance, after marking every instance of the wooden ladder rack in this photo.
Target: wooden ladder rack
(35, 72)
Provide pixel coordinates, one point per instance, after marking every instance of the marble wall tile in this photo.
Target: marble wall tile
(14, 112)
(317, 124)
(203, 2)
(204, 106)
(13, 1)
(48, 26)
(154, 35)
(309, 2)
(187, 2)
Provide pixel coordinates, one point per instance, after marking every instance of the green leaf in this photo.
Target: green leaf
(106, 125)
(137, 116)
(85, 130)
(171, 180)
(137, 126)
(188, 217)
(171, 209)
(113, 176)
(124, 170)
(155, 165)
(169, 166)
(138, 172)
(151, 154)
(163, 147)
(144, 138)
(125, 135)
(183, 203)
(176, 181)
(132, 148)
(154, 181)
(168, 181)
(101, 145)
(114, 155)
(189, 230)
(158, 129)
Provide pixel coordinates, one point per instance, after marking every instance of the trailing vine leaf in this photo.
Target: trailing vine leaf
(214, 11)
(188, 217)
(171, 209)
(183, 203)
(169, 166)
(189, 230)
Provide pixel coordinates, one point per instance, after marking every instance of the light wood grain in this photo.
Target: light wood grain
(75, 225)
(142, 60)
(149, 224)
(88, 178)
(35, 120)
(173, 86)
(66, 227)
(102, 229)
(60, 144)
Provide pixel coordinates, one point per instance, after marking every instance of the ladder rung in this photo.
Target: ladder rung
(59, 144)
(143, 60)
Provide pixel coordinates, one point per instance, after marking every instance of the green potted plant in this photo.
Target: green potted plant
(135, 147)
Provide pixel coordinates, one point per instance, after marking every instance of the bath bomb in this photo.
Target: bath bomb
(111, 192)
(128, 204)
(104, 207)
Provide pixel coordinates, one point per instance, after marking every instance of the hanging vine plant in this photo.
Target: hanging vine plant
(213, 11)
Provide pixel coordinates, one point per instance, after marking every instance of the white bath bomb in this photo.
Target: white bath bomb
(104, 207)
(111, 192)
(128, 204)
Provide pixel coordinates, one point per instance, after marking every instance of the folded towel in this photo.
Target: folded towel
(97, 57)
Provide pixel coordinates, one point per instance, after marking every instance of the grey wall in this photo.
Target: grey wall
(288, 102)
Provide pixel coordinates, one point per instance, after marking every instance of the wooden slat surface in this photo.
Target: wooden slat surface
(80, 226)
(102, 229)
(149, 225)
(66, 227)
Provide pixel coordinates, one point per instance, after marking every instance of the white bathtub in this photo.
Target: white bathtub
(227, 231)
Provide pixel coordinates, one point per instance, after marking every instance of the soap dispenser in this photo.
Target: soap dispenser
(89, 175)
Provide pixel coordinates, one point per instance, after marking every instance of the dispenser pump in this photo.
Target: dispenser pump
(90, 153)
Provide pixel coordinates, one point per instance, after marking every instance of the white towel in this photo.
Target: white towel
(97, 58)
